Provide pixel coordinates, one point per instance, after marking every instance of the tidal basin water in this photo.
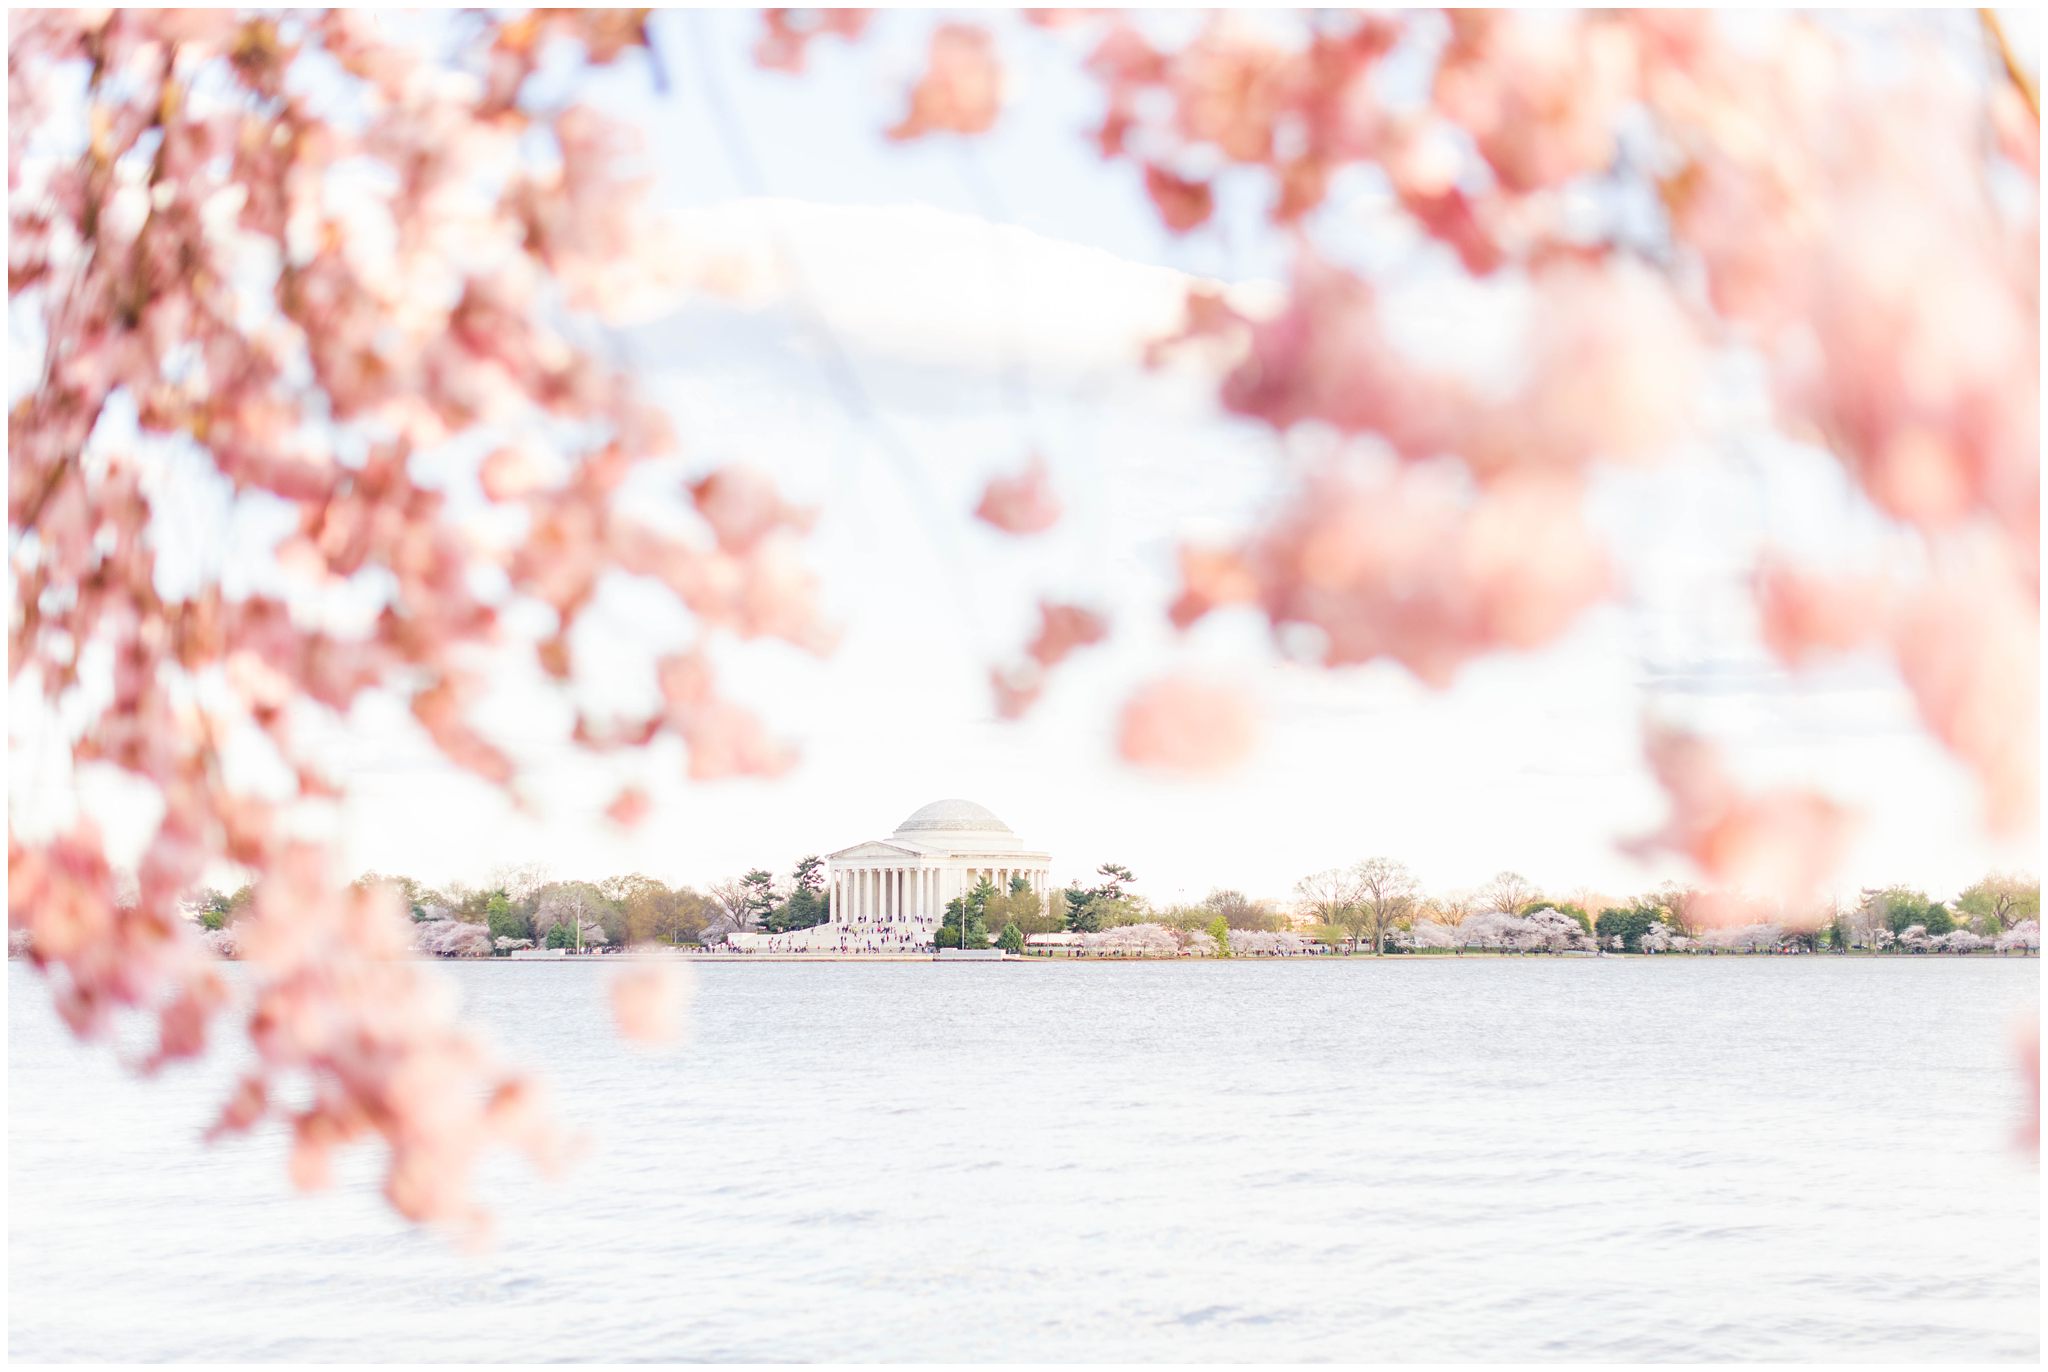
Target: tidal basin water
(1740, 1158)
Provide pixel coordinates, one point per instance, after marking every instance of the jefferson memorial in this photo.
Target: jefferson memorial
(889, 894)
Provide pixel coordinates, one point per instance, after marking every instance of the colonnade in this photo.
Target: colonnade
(908, 893)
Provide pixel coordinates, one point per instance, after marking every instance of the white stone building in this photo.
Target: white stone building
(890, 894)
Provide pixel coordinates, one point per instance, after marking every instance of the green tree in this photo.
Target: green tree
(1115, 876)
(1090, 908)
(1011, 940)
(1899, 908)
(213, 908)
(2000, 901)
(1629, 922)
(1219, 929)
(806, 905)
(580, 910)
(504, 919)
(1027, 909)
(639, 899)
(683, 917)
(1837, 929)
(966, 922)
(761, 895)
(1113, 912)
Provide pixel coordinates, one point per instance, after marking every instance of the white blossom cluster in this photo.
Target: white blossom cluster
(1542, 931)
(452, 938)
(1746, 938)
(2024, 936)
(1265, 943)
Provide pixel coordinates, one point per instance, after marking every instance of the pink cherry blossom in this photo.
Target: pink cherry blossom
(1183, 204)
(1863, 235)
(1411, 567)
(1062, 630)
(787, 35)
(436, 315)
(629, 807)
(1182, 724)
(649, 1001)
(1805, 616)
(961, 89)
(1021, 504)
(1966, 645)
(1784, 841)
(1969, 652)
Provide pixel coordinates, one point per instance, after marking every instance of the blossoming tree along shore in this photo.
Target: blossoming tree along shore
(306, 259)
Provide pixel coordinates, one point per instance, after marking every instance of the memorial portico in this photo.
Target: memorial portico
(890, 894)
(904, 882)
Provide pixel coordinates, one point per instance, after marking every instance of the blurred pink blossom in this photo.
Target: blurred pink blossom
(1021, 504)
(649, 1001)
(1786, 842)
(1180, 724)
(961, 89)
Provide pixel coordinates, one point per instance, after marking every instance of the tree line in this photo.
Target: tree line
(1378, 906)
(1375, 906)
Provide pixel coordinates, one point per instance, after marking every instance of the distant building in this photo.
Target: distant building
(890, 894)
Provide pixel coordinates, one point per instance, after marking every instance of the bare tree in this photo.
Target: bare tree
(1508, 892)
(1333, 897)
(574, 904)
(1239, 910)
(520, 881)
(682, 916)
(1386, 891)
(732, 904)
(1452, 908)
(1682, 903)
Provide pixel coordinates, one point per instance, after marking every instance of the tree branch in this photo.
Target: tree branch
(2017, 74)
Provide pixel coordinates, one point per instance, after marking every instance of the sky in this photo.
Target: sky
(992, 298)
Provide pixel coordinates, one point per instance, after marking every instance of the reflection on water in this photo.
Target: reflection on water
(1614, 1159)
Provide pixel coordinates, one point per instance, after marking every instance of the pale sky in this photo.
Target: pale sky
(976, 344)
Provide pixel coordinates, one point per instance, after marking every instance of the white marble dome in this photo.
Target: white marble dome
(958, 824)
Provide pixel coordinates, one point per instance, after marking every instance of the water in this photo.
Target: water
(1736, 1158)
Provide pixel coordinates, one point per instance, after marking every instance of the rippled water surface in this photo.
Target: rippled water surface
(1447, 1159)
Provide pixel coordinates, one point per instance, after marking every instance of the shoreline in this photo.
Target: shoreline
(731, 959)
(742, 959)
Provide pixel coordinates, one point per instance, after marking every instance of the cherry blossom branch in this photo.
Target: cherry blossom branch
(1994, 28)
